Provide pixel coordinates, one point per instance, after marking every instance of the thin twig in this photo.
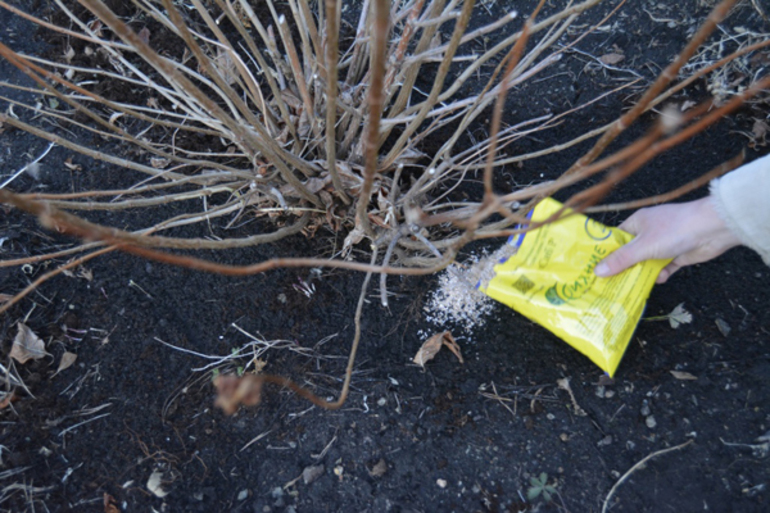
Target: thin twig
(636, 467)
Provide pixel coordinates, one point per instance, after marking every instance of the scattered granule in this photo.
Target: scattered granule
(456, 301)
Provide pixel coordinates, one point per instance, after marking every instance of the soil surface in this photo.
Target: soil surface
(451, 437)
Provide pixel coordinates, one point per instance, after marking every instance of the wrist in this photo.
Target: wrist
(719, 234)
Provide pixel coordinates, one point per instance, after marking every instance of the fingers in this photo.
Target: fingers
(667, 271)
(632, 224)
(621, 259)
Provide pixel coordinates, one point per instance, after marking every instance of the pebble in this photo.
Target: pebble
(441, 483)
(650, 421)
(312, 473)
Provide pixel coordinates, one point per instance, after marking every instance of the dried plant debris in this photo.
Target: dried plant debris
(110, 504)
(233, 391)
(683, 376)
(457, 300)
(66, 362)
(722, 326)
(155, 484)
(379, 469)
(564, 385)
(6, 398)
(27, 345)
(678, 316)
(433, 345)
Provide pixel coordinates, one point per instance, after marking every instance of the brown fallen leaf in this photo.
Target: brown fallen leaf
(233, 391)
(684, 376)
(144, 35)
(72, 167)
(7, 399)
(612, 58)
(433, 345)
(110, 504)
(66, 362)
(27, 346)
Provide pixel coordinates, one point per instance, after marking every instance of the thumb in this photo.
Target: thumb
(620, 259)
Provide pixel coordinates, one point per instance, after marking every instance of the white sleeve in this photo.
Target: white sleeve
(742, 199)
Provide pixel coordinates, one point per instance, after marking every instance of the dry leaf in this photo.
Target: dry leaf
(684, 376)
(27, 346)
(86, 274)
(82, 272)
(159, 163)
(723, 327)
(96, 27)
(233, 391)
(72, 167)
(612, 58)
(8, 398)
(110, 504)
(224, 62)
(379, 469)
(679, 316)
(155, 484)
(433, 345)
(144, 35)
(564, 385)
(355, 236)
(66, 362)
(760, 129)
(259, 365)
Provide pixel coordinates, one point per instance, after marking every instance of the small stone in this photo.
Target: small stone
(382, 401)
(441, 483)
(600, 391)
(276, 492)
(645, 411)
(650, 421)
(564, 437)
(243, 495)
(607, 440)
(310, 474)
(609, 393)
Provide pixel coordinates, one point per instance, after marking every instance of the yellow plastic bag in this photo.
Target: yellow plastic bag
(550, 279)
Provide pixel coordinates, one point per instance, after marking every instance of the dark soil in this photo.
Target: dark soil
(407, 440)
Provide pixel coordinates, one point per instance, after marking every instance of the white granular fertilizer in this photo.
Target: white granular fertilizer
(457, 303)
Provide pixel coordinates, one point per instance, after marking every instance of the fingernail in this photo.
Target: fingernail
(602, 270)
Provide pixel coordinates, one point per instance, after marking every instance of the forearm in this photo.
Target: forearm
(742, 200)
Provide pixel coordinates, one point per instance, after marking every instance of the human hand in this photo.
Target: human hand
(690, 233)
